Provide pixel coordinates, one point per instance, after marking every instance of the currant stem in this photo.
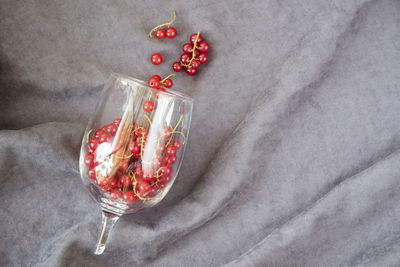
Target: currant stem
(189, 64)
(163, 80)
(162, 25)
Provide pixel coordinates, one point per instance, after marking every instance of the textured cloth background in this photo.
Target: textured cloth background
(293, 157)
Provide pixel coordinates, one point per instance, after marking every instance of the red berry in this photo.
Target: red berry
(165, 179)
(156, 59)
(129, 196)
(170, 151)
(93, 144)
(165, 170)
(116, 194)
(111, 129)
(156, 163)
(203, 58)
(185, 58)
(148, 106)
(187, 48)
(104, 137)
(170, 33)
(158, 77)
(171, 160)
(89, 158)
(97, 133)
(193, 38)
(168, 83)
(117, 122)
(113, 183)
(167, 132)
(92, 174)
(195, 64)
(134, 148)
(139, 172)
(125, 180)
(154, 83)
(177, 66)
(160, 33)
(123, 165)
(191, 71)
(176, 144)
(143, 188)
(148, 177)
(203, 47)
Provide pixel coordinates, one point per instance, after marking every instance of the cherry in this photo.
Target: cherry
(129, 196)
(92, 174)
(193, 38)
(195, 64)
(176, 144)
(156, 59)
(177, 66)
(185, 58)
(170, 151)
(117, 122)
(203, 58)
(154, 83)
(116, 194)
(191, 71)
(168, 83)
(170, 32)
(89, 160)
(125, 180)
(93, 144)
(187, 48)
(148, 106)
(160, 33)
(203, 47)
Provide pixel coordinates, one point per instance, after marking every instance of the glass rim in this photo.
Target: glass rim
(168, 92)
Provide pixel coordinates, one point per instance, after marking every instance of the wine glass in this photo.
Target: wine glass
(132, 148)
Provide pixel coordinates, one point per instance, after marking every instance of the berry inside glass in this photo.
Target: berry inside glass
(132, 148)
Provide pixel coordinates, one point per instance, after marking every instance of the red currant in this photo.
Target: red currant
(89, 158)
(139, 172)
(166, 179)
(93, 144)
(148, 106)
(123, 165)
(191, 71)
(116, 194)
(92, 174)
(203, 58)
(129, 196)
(185, 58)
(167, 132)
(148, 177)
(193, 38)
(177, 66)
(165, 170)
(104, 137)
(97, 133)
(168, 83)
(134, 148)
(143, 188)
(111, 129)
(125, 180)
(170, 33)
(170, 151)
(113, 183)
(171, 160)
(117, 122)
(156, 59)
(160, 33)
(187, 48)
(176, 144)
(154, 83)
(203, 47)
(195, 64)
(158, 77)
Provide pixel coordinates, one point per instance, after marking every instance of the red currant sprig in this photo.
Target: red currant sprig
(160, 33)
(155, 81)
(194, 55)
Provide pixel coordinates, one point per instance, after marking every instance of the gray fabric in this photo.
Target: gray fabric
(293, 157)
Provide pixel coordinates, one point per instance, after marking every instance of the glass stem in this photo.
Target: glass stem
(107, 223)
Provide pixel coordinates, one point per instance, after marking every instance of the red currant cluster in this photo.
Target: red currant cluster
(129, 180)
(170, 32)
(194, 54)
